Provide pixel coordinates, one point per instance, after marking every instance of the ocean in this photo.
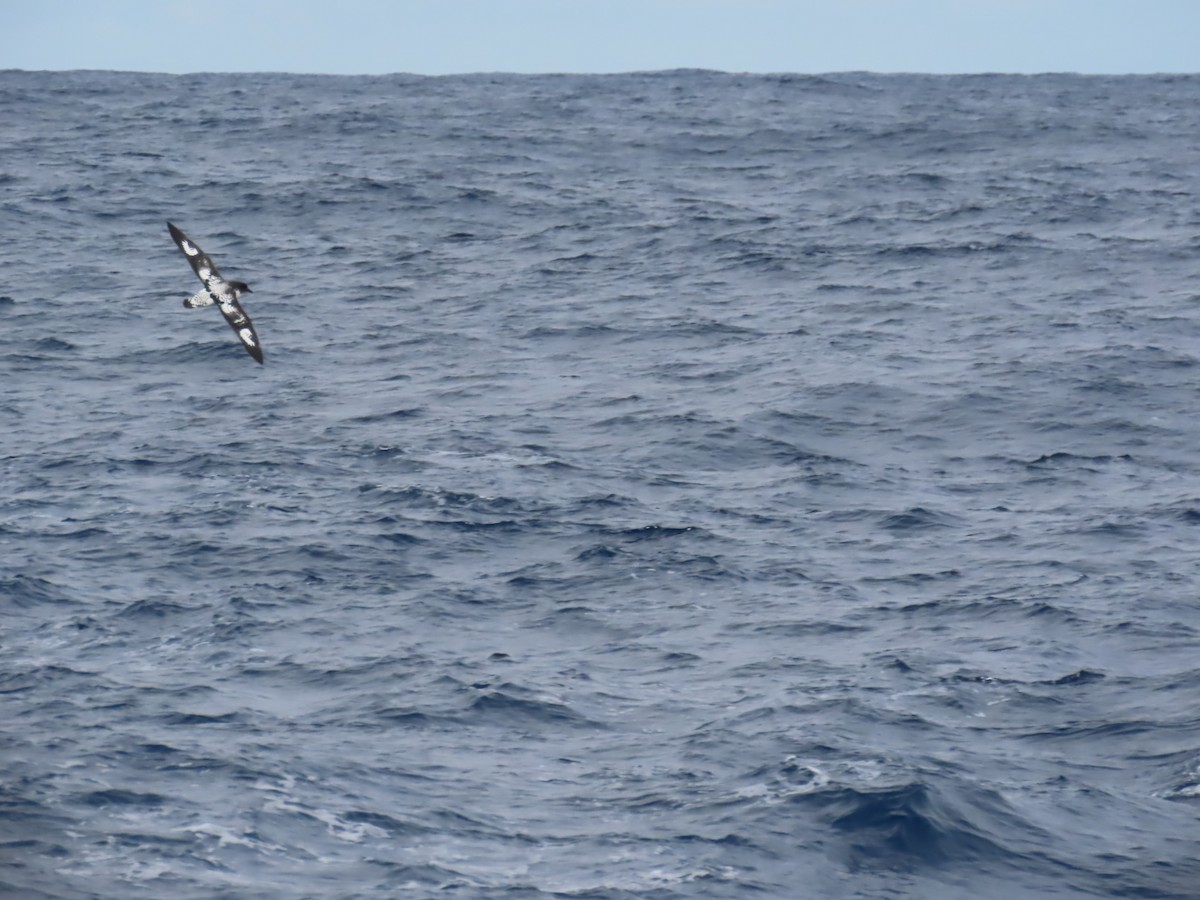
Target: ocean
(662, 485)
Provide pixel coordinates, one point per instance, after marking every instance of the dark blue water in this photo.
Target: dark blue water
(659, 486)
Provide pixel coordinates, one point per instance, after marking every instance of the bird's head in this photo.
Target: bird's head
(241, 287)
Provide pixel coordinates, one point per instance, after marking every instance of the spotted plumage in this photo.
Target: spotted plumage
(217, 290)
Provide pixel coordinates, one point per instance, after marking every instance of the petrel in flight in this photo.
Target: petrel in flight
(219, 291)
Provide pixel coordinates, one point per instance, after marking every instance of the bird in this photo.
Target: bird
(219, 291)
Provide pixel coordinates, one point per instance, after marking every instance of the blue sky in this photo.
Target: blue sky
(436, 37)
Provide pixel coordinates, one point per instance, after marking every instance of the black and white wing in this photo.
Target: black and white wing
(240, 323)
(201, 264)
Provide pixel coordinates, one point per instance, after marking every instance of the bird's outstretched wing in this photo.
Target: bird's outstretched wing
(241, 324)
(201, 264)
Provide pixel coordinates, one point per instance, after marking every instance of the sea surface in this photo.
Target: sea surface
(663, 485)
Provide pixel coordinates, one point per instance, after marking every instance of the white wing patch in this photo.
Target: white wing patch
(247, 336)
(200, 298)
(189, 248)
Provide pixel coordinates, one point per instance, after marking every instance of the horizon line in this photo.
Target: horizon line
(618, 73)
